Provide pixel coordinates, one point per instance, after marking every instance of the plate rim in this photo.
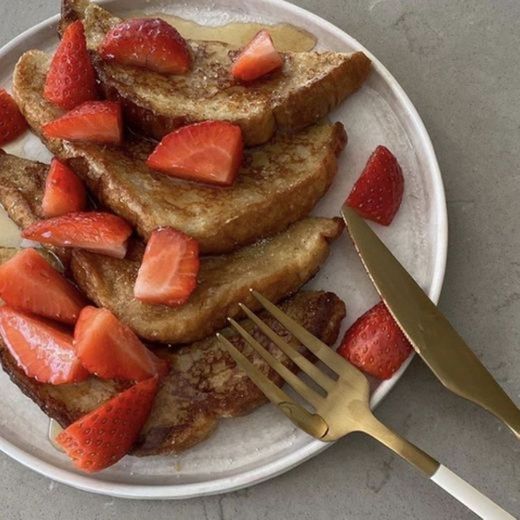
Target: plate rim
(272, 469)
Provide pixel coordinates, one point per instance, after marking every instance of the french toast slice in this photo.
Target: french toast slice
(276, 266)
(306, 89)
(203, 386)
(279, 183)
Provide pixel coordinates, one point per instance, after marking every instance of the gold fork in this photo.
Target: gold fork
(341, 404)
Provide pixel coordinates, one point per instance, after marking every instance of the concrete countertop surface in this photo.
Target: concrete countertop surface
(459, 62)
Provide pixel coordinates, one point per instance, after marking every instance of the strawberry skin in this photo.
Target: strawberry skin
(30, 284)
(64, 192)
(257, 59)
(12, 122)
(168, 273)
(111, 350)
(95, 231)
(71, 79)
(209, 152)
(41, 350)
(150, 43)
(93, 121)
(378, 192)
(375, 343)
(105, 435)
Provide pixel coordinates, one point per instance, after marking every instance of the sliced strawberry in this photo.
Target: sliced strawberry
(12, 122)
(64, 192)
(378, 192)
(30, 284)
(168, 273)
(150, 43)
(375, 343)
(258, 58)
(97, 232)
(43, 351)
(207, 152)
(93, 121)
(71, 79)
(111, 350)
(105, 435)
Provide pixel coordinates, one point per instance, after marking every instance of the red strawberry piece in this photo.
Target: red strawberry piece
(111, 350)
(29, 283)
(208, 152)
(43, 351)
(12, 122)
(378, 192)
(168, 273)
(375, 343)
(150, 43)
(64, 192)
(97, 232)
(257, 59)
(106, 434)
(94, 121)
(71, 79)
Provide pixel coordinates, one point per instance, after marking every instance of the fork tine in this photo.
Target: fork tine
(324, 353)
(311, 423)
(301, 361)
(310, 395)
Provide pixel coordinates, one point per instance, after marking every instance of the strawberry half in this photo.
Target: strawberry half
(12, 122)
(168, 273)
(208, 152)
(150, 43)
(30, 284)
(105, 435)
(376, 344)
(71, 79)
(64, 192)
(111, 350)
(97, 232)
(94, 121)
(258, 58)
(42, 351)
(378, 192)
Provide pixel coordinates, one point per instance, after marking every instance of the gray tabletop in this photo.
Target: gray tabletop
(459, 62)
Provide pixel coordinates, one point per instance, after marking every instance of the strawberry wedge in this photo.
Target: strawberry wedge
(105, 435)
(378, 192)
(12, 122)
(93, 121)
(64, 192)
(71, 79)
(258, 58)
(168, 273)
(150, 43)
(111, 350)
(42, 351)
(29, 283)
(97, 232)
(209, 152)
(376, 344)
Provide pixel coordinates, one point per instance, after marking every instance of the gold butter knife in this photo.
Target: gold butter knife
(430, 333)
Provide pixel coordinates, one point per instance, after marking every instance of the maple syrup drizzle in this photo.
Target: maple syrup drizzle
(286, 37)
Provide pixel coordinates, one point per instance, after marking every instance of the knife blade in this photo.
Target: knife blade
(430, 333)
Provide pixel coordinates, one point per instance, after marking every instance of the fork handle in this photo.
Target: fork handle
(441, 475)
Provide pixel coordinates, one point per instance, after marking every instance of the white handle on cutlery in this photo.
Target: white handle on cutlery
(469, 496)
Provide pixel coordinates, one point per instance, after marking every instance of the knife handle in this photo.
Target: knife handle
(468, 495)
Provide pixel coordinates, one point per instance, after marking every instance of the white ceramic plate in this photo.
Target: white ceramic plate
(248, 450)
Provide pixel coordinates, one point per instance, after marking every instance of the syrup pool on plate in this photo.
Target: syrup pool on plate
(286, 37)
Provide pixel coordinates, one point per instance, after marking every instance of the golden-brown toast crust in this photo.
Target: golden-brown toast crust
(278, 184)
(203, 386)
(276, 267)
(305, 90)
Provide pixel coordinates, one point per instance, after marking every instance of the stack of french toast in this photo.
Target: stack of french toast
(241, 213)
